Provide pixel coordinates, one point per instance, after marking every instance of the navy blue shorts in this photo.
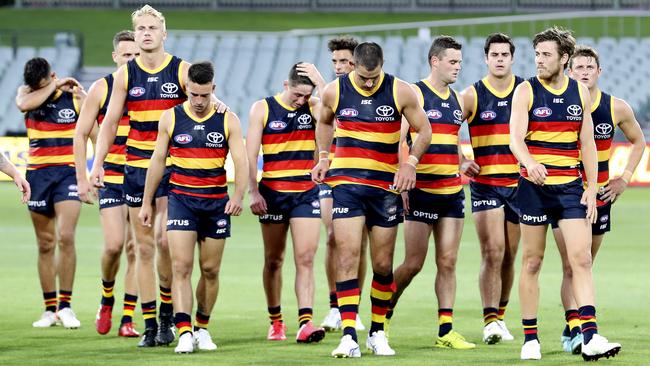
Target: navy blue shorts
(429, 208)
(541, 205)
(325, 191)
(380, 207)
(603, 222)
(134, 179)
(282, 206)
(486, 197)
(50, 185)
(206, 216)
(111, 196)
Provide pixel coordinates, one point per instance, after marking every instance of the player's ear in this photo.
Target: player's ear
(285, 84)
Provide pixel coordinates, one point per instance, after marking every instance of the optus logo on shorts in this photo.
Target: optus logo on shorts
(178, 222)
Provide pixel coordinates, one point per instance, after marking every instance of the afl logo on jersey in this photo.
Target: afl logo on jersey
(488, 115)
(277, 125)
(137, 91)
(542, 112)
(434, 114)
(215, 137)
(603, 128)
(183, 138)
(304, 119)
(349, 112)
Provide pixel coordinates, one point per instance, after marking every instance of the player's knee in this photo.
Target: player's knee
(46, 244)
(581, 261)
(567, 271)
(305, 260)
(382, 266)
(493, 256)
(273, 264)
(130, 251)
(66, 238)
(446, 262)
(113, 252)
(182, 269)
(533, 264)
(210, 272)
(146, 251)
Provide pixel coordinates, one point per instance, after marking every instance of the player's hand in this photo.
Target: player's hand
(589, 199)
(145, 214)
(310, 71)
(469, 168)
(404, 178)
(97, 176)
(320, 170)
(405, 202)
(68, 84)
(220, 106)
(234, 207)
(537, 173)
(86, 192)
(258, 203)
(614, 189)
(23, 186)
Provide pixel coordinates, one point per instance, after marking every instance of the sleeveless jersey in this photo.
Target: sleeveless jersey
(198, 150)
(116, 158)
(438, 171)
(555, 118)
(602, 113)
(489, 129)
(367, 134)
(288, 146)
(50, 130)
(149, 93)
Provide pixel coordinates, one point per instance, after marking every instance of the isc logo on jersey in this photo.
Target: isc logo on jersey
(216, 140)
(168, 90)
(183, 138)
(277, 125)
(488, 115)
(542, 112)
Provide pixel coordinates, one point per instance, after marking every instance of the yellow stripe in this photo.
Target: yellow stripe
(226, 130)
(381, 295)
(149, 315)
(55, 159)
(348, 323)
(282, 104)
(295, 145)
(361, 163)
(445, 190)
(116, 159)
(442, 169)
(495, 92)
(348, 300)
(285, 173)
(491, 140)
(142, 145)
(182, 330)
(123, 131)
(142, 163)
(499, 169)
(115, 179)
(37, 134)
(611, 107)
(443, 139)
(181, 77)
(399, 108)
(126, 77)
(471, 118)
(336, 98)
(556, 91)
(128, 312)
(530, 92)
(366, 93)
(556, 160)
(172, 124)
(596, 102)
(375, 318)
(146, 116)
(386, 138)
(530, 326)
(552, 136)
(574, 323)
(550, 181)
(198, 163)
(603, 155)
(168, 59)
(105, 94)
(188, 112)
(444, 96)
(444, 319)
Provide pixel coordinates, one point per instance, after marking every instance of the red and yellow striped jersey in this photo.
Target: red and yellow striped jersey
(116, 158)
(50, 130)
(602, 113)
(198, 149)
(288, 146)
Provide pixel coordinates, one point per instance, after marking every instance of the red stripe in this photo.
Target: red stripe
(51, 151)
(602, 145)
(49, 126)
(499, 182)
(132, 157)
(289, 186)
(550, 151)
(348, 293)
(530, 331)
(357, 152)
(124, 120)
(382, 127)
(218, 181)
(277, 138)
(348, 315)
(573, 172)
(379, 310)
(153, 105)
(603, 176)
(370, 182)
(288, 165)
(117, 149)
(445, 128)
(497, 159)
(142, 135)
(112, 173)
(567, 126)
(440, 159)
(439, 183)
(201, 195)
(445, 313)
(383, 287)
(197, 152)
(180, 325)
(489, 130)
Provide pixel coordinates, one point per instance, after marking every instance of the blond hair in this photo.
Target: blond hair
(148, 10)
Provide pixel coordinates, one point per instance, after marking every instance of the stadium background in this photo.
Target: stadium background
(253, 43)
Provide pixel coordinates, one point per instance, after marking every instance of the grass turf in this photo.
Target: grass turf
(239, 320)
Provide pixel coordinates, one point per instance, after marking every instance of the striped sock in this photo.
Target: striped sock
(183, 323)
(65, 297)
(201, 321)
(129, 307)
(166, 307)
(149, 314)
(588, 319)
(501, 314)
(445, 321)
(347, 293)
(381, 292)
(573, 322)
(334, 304)
(530, 329)
(275, 314)
(304, 316)
(49, 298)
(490, 315)
(107, 293)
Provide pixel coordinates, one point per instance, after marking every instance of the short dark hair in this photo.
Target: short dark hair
(584, 51)
(498, 38)
(562, 38)
(121, 36)
(295, 79)
(201, 72)
(36, 70)
(441, 44)
(369, 55)
(342, 43)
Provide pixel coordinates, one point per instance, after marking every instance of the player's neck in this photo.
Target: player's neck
(593, 91)
(205, 112)
(439, 85)
(500, 83)
(153, 60)
(555, 81)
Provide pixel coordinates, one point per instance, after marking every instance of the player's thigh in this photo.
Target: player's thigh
(113, 223)
(274, 236)
(305, 233)
(44, 228)
(577, 236)
(67, 216)
(211, 253)
(490, 228)
(447, 232)
(181, 247)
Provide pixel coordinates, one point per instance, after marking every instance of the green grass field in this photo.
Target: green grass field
(239, 321)
(99, 25)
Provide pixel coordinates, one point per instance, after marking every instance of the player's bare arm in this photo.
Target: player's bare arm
(630, 127)
(325, 131)
(518, 129)
(588, 156)
(28, 99)
(253, 142)
(418, 122)
(309, 70)
(9, 168)
(238, 154)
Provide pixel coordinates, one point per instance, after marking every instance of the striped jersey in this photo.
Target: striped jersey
(602, 113)
(50, 130)
(367, 133)
(438, 171)
(116, 158)
(489, 129)
(198, 148)
(288, 146)
(149, 93)
(555, 118)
